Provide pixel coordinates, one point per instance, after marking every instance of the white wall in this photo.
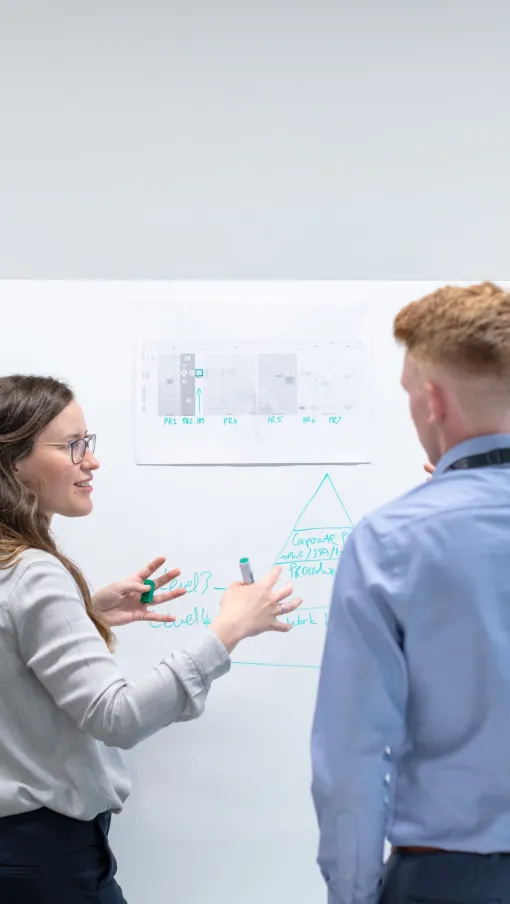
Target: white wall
(290, 138)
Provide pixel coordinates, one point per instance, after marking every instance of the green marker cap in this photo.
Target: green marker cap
(149, 595)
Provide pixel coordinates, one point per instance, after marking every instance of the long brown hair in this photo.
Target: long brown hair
(27, 405)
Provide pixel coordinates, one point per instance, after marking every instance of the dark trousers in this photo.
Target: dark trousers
(446, 878)
(47, 858)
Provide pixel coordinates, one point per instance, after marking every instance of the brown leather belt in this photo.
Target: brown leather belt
(418, 849)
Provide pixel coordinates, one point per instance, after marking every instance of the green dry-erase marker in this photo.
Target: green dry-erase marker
(247, 573)
(148, 596)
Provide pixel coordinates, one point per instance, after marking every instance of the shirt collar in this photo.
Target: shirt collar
(473, 446)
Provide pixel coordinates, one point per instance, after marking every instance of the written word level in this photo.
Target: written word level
(316, 616)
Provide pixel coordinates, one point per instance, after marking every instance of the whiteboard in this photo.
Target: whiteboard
(220, 810)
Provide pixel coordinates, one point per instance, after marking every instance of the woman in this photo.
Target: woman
(65, 707)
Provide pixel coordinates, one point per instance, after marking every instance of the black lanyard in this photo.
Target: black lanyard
(483, 460)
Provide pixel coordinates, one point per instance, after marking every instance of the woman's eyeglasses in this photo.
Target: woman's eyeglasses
(77, 447)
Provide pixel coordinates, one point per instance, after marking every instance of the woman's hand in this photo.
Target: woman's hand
(119, 603)
(250, 609)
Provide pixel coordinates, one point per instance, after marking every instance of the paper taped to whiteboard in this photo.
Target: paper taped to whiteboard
(250, 402)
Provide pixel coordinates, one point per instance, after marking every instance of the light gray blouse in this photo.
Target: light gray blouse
(66, 708)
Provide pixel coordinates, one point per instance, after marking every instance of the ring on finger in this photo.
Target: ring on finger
(283, 608)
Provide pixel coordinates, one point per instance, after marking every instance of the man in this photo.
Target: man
(411, 737)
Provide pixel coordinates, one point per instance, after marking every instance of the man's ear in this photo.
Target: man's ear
(436, 403)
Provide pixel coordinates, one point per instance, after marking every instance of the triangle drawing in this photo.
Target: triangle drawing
(321, 529)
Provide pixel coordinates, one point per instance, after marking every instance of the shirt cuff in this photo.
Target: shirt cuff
(209, 657)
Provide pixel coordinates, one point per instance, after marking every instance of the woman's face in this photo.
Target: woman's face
(62, 487)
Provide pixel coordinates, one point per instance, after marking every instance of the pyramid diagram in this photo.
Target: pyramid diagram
(320, 531)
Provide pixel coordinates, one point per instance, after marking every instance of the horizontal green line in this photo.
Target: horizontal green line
(279, 665)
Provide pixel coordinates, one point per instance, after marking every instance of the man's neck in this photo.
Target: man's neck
(474, 433)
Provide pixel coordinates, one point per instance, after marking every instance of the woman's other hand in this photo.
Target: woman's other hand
(250, 609)
(120, 603)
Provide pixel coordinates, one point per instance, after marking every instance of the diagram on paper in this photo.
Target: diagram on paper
(309, 556)
(283, 384)
(245, 404)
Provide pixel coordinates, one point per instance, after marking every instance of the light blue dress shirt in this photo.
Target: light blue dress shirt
(411, 737)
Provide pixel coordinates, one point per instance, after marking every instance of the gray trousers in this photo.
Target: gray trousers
(446, 878)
